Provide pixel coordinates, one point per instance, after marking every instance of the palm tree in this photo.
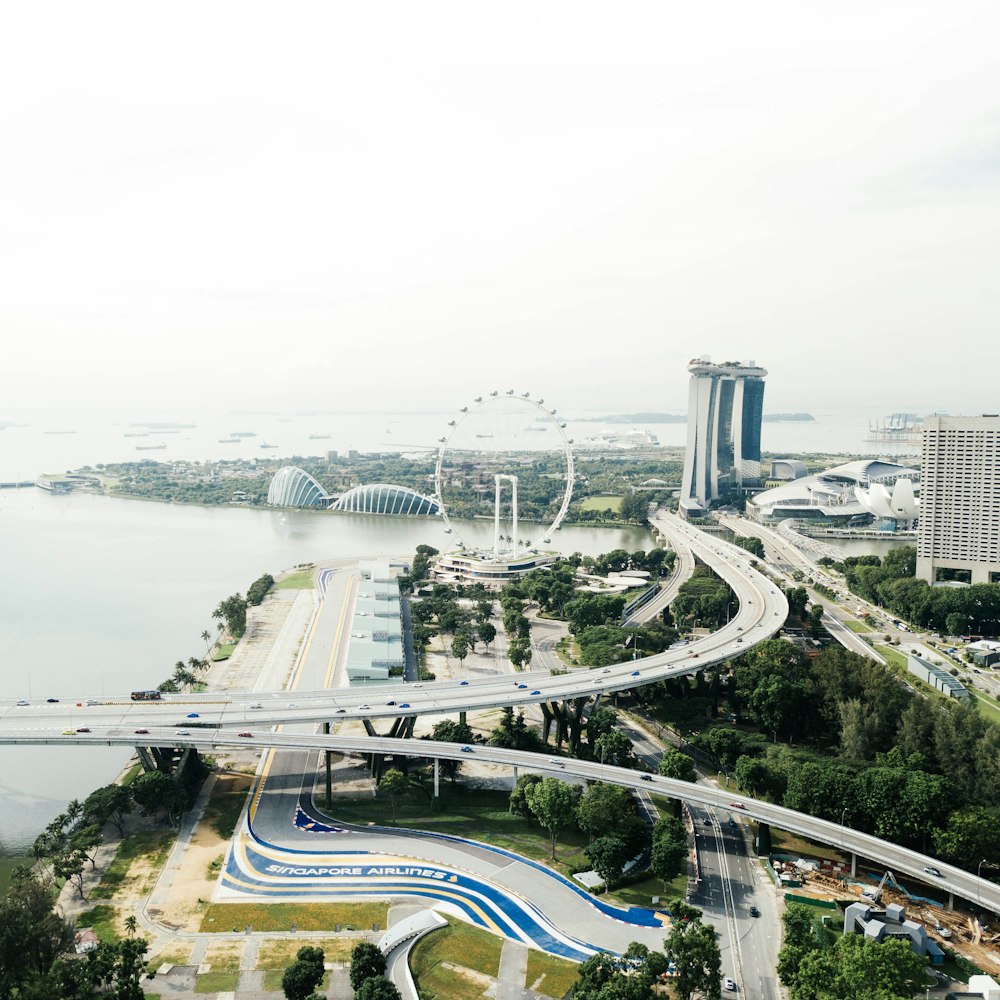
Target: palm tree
(131, 924)
(207, 638)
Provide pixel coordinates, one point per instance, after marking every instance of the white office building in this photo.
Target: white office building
(960, 498)
(725, 408)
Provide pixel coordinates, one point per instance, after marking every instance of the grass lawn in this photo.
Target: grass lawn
(987, 706)
(152, 846)
(601, 503)
(456, 944)
(280, 954)
(176, 955)
(641, 893)
(856, 626)
(463, 812)
(226, 803)
(217, 982)
(223, 651)
(300, 580)
(305, 916)
(7, 866)
(550, 975)
(894, 656)
(104, 920)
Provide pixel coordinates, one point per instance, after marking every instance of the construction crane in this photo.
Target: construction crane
(876, 894)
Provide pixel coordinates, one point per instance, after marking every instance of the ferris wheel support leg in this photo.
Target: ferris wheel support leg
(513, 504)
(496, 521)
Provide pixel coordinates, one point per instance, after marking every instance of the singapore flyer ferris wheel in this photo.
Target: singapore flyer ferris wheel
(505, 457)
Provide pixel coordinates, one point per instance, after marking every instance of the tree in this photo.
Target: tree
(675, 764)
(615, 748)
(518, 802)
(551, 802)
(377, 989)
(971, 835)
(692, 949)
(513, 733)
(300, 979)
(112, 969)
(394, 783)
(608, 855)
(603, 807)
(32, 936)
(670, 849)
(460, 646)
(233, 611)
(487, 632)
(109, 804)
(519, 652)
(257, 590)
(367, 962)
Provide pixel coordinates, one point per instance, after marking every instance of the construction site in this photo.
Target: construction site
(831, 882)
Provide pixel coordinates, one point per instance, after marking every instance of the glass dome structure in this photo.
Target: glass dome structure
(384, 498)
(293, 487)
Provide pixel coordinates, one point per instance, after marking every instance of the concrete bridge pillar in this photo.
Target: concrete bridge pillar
(329, 776)
(437, 777)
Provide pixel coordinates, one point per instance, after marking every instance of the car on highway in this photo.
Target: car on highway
(557, 762)
(736, 805)
(754, 912)
(463, 684)
(245, 735)
(364, 708)
(522, 687)
(635, 673)
(536, 692)
(694, 656)
(83, 729)
(934, 872)
(22, 703)
(606, 670)
(291, 704)
(142, 732)
(55, 701)
(68, 732)
(405, 704)
(391, 701)
(256, 704)
(193, 715)
(467, 750)
(341, 711)
(645, 777)
(729, 984)
(182, 732)
(739, 638)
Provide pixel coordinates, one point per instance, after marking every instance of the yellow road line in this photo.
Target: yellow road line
(335, 649)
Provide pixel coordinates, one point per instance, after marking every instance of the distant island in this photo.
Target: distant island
(681, 418)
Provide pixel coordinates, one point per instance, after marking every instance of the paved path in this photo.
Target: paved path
(513, 969)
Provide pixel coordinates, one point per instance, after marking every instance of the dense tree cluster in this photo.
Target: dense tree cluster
(816, 964)
(751, 543)
(258, 590)
(34, 940)
(892, 583)
(704, 600)
(920, 772)
(300, 979)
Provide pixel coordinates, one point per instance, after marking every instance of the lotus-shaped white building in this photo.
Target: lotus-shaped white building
(897, 503)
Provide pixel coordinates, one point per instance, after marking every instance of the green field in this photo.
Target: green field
(601, 503)
(225, 917)
(856, 626)
(988, 706)
(456, 944)
(223, 651)
(299, 580)
(151, 845)
(553, 976)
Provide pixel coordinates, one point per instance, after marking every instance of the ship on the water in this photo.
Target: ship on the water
(319, 437)
(149, 447)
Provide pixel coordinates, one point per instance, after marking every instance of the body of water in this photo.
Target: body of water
(101, 595)
(35, 445)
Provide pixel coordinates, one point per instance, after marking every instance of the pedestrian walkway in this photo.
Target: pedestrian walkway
(513, 969)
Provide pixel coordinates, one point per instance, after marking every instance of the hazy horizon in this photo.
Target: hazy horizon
(396, 207)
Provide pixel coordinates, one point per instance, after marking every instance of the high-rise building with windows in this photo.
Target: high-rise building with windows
(725, 409)
(959, 527)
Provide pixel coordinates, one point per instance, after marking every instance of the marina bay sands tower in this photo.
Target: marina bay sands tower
(725, 407)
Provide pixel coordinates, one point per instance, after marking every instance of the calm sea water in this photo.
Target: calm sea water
(104, 595)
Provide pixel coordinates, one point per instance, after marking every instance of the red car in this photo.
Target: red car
(83, 729)
(142, 732)
(245, 735)
(737, 805)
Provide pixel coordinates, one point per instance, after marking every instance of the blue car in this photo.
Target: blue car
(193, 715)
(536, 692)
(635, 673)
(463, 684)
(467, 750)
(405, 704)
(522, 687)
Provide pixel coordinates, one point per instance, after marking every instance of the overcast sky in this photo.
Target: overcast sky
(244, 205)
